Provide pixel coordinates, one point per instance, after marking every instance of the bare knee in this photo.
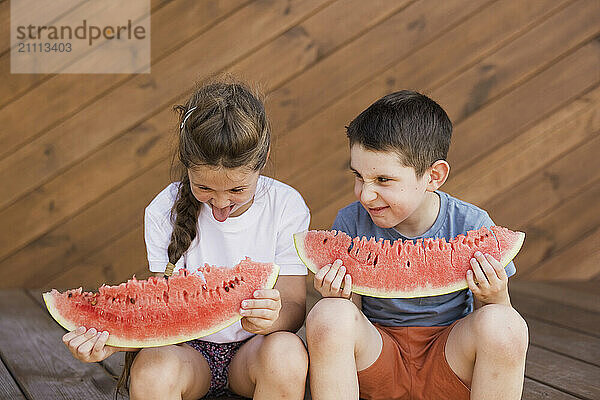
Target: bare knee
(154, 370)
(331, 320)
(282, 357)
(501, 332)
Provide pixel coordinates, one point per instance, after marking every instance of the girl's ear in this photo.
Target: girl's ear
(438, 173)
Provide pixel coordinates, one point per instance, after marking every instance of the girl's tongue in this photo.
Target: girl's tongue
(221, 214)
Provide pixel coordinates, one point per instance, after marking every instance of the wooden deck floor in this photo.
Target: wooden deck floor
(563, 360)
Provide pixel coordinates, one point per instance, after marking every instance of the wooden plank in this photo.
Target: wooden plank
(533, 390)
(63, 95)
(8, 387)
(31, 346)
(581, 261)
(548, 187)
(60, 242)
(565, 130)
(112, 264)
(553, 312)
(564, 373)
(113, 364)
(569, 293)
(70, 244)
(62, 146)
(17, 85)
(313, 40)
(4, 27)
(355, 63)
(519, 60)
(589, 287)
(144, 149)
(487, 129)
(535, 88)
(560, 229)
(424, 70)
(564, 341)
(171, 78)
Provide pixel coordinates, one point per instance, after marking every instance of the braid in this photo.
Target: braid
(184, 215)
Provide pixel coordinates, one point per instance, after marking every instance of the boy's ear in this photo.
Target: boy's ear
(438, 173)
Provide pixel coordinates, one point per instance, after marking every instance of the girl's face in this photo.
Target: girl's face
(228, 191)
(391, 192)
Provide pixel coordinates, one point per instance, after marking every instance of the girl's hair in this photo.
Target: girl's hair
(223, 124)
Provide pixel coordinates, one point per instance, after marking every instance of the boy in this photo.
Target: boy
(424, 348)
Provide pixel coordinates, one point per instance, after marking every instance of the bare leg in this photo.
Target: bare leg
(169, 372)
(270, 367)
(341, 341)
(487, 351)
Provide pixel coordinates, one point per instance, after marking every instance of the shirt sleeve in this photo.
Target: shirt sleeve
(339, 224)
(510, 267)
(157, 235)
(285, 254)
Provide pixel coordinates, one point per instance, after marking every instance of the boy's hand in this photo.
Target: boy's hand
(488, 280)
(88, 345)
(262, 311)
(328, 281)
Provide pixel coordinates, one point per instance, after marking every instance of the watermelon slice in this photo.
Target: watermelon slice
(157, 311)
(429, 267)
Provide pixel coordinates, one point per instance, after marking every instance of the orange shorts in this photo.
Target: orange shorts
(412, 366)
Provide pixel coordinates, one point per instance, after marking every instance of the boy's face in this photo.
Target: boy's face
(389, 191)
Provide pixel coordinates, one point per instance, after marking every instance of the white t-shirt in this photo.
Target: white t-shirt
(263, 233)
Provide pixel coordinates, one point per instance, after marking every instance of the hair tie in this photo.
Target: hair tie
(186, 116)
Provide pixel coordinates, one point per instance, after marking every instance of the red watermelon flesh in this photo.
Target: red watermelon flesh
(159, 311)
(427, 267)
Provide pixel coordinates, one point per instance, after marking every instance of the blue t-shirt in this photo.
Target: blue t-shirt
(455, 217)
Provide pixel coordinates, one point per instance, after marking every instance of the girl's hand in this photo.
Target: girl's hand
(328, 281)
(488, 280)
(261, 312)
(88, 345)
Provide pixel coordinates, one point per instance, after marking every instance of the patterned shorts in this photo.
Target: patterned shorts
(218, 356)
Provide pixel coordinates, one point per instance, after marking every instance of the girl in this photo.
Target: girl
(220, 211)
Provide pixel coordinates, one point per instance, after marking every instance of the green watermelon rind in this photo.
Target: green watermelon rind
(371, 292)
(118, 342)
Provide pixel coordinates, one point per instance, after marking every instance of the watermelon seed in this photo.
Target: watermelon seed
(324, 240)
(226, 288)
(131, 300)
(231, 285)
(375, 260)
(408, 264)
(70, 295)
(185, 296)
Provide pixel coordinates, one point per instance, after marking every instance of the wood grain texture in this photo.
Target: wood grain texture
(520, 81)
(564, 373)
(31, 346)
(61, 96)
(557, 313)
(8, 387)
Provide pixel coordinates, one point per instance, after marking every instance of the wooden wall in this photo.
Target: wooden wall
(82, 155)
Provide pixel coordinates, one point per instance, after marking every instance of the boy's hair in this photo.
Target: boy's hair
(223, 125)
(408, 123)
